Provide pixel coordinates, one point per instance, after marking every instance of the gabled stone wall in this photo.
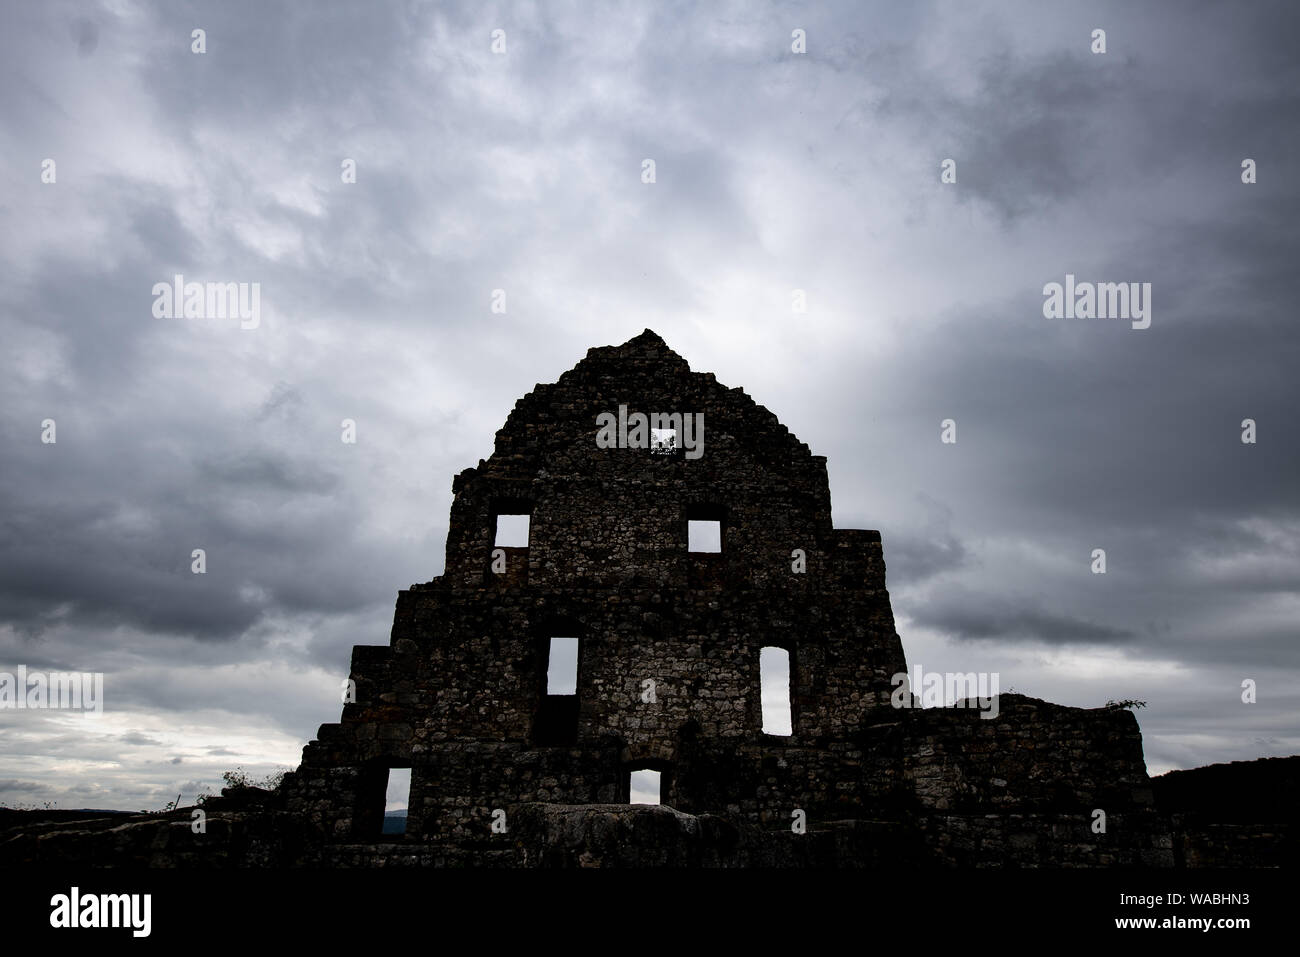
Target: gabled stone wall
(459, 695)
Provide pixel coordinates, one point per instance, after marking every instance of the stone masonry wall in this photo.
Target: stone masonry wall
(459, 695)
(668, 678)
(607, 562)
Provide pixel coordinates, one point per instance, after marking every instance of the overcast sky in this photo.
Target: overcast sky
(522, 171)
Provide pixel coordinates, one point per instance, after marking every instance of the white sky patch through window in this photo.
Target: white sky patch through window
(644, 787)
(703, 536)
(399, 790)
(774, 675)
(562, 668)
(512, 531)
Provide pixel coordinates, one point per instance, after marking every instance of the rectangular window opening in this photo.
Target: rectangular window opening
(663, 441)
(643, 787)
(562, 667)
(703, 535)
(396, 801)
(774, 676)
(511, 531)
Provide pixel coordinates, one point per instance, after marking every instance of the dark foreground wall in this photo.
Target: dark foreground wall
(1241, 814)
(1242, 820)
(596, 835)
(1036, 783)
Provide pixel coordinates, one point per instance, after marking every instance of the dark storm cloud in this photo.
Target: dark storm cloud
(108, 554)
(8, 785)
(269, 473)
(1030, 147)
(964, 618)
(774, 171)
(283, 400)
(913, 559)
(1025, 138)
(918, 554)
(87, 36)
(134, 737)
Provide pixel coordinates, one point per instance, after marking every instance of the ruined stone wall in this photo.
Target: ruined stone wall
(1240, 814)
(1026, 787)
(607, 562)
(1235, 815)
(459, 695)
(1033, 756)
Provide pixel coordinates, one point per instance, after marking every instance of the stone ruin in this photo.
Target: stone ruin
(668, 679)
(508, 771)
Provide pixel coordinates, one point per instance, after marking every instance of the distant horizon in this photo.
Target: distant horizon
(403, 811)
